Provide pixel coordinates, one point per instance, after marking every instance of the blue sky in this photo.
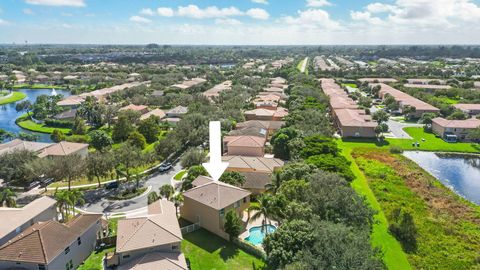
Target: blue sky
(241, 21)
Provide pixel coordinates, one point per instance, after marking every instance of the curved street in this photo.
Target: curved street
(96, 200)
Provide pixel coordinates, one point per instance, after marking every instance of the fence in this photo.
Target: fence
(190, 228)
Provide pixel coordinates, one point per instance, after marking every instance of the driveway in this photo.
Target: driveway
(396, 129)
(96, 202)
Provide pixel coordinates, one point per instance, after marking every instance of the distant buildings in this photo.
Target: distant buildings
(432, 84)
(50, 245)
(217, 89)
(469, 109)
(187, 84)
(404, 100)
(454, 130)
(377, 80)
(46, 149)
(350, 120)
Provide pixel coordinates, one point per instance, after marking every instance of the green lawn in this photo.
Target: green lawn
(179, 175)
(447, 225)
(431, 143)
(42, 128)
(95, 260)
(352, 85)
(37, 86)
(208, 251)
(16, 96)
(393, 255)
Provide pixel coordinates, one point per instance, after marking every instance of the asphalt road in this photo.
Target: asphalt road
(96, 200)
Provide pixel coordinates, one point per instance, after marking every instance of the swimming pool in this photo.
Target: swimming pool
(256, 234)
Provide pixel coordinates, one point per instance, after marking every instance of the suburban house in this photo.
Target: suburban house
(68, 115)
(215, 91)
(244, 145)
(142, 109)
(454, 130)
(404, 100)
(157, 235)
(377, 80)
(476, 84)
(207, 205)
(270, 126)
(257, 170)
(349, 119)
(51, 245)
(156, 112)
(268, 101)
(427, 81)
(45, 149)
(177, 112)
(186, 84)
(266, 115)
(354, 123)
(470, 109)
(41, 209)
(250, 131)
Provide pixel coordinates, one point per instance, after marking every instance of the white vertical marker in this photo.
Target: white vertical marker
(215, 167)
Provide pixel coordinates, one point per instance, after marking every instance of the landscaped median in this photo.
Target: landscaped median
(13, 97)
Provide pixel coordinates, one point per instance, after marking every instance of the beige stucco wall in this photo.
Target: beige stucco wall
(137, 253)
(366, 132)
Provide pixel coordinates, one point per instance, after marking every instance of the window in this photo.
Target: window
(67, 250)
(222, 212)
(245, 200)
(126, 256)
(69, 265)
(174, 247)
(41, 267)
(79, 241)
(236, 204)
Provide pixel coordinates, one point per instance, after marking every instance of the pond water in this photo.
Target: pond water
(459, 172)
(8, 114)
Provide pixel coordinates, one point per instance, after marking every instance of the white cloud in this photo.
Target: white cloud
(165, 12)
(227, 22)
(70, 3)
(380, 8)
(140, 19)
(28, 11)
(313, 18)
(3, 22)
(318, 3)
(193, 11)
(258, 13)
(364, 16)
(66, 25)
(265, 2)
(147, 12)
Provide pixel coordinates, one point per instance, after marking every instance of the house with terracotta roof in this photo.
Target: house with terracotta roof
(257, 170)
(249, 131)
(156, 112)
(50, 245)
(270, 126)
(377, 80)
(454, 130)
(18, 145)
(470, 109)
(142, 109)
(64, 149)
(404, 99)
(41, 209)
(156, 235)
(177, 112)
(244, 145)
(208, 203)
(266, 115)
(354, 123)
(187, 84)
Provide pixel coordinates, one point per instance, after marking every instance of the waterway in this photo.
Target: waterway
(461, 173)
(8, 114)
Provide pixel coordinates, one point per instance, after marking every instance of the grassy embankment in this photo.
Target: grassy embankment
(448, 226)
(37, 86)
(208, 251)
(25, 123)
(16, 96)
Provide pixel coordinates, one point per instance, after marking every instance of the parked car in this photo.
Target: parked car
(165, 167)
(112, 185)
(46, 182)
(32, 185)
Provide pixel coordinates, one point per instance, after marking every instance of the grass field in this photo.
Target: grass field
(208, 251)
(448, 226)
(393, 255)
(352, 85)
(431, 143)
(38, 86)
(42, 128)
(179, 175)
(16, 96)
(95, 260)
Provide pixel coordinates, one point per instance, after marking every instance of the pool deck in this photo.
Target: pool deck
(253, 223)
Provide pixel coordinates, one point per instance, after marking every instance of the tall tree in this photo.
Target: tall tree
(167, 191)
(25, 105)
(128, 158)
(68, 168)
(7, 197)
(99, 165)
(233, 224)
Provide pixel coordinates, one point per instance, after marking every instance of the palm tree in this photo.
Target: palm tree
(167, 191)
(7, 196)
(76, 198)
(263, 208)
(152, 197)
(62, 203)
(275, 184)
(177, 200)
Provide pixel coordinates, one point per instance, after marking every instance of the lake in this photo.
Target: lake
(459, 172)
(8, 114)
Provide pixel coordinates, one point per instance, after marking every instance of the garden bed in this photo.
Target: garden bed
(128, 194)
